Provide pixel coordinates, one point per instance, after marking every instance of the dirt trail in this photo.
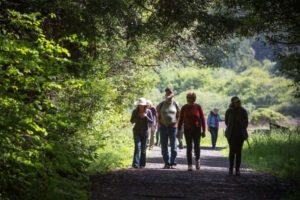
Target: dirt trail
(211, 182)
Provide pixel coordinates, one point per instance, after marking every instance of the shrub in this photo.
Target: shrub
(263, 116)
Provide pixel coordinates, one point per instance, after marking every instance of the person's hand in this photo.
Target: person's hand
(178, 135)
(203, 134)
(208, 129)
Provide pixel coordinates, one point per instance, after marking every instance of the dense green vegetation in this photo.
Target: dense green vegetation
(276, 153)
(70, 71)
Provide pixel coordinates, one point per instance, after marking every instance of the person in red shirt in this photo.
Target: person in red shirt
(192, 118)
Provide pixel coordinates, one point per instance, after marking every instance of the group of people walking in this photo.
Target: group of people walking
(189, 121)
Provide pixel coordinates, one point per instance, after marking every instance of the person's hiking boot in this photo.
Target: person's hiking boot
(166, 166)
(198, 165)
(190, 167)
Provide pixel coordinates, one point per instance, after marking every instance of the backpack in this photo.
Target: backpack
(160, 105)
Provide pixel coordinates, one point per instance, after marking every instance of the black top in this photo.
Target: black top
(236, 120)
(141, 124)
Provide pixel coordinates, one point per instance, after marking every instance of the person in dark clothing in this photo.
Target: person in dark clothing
(192, 118)
(236, 120)
(141, 118)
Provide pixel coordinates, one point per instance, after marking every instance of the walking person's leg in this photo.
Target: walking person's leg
(216, 136)
(239, 147)
(152, 132)
(136, 156)
(164, 145)
(172, 135)
(189, 146)
(211, 135)
(157, 137)
(143, 150)
(196, 140)
(214, 133)
(231, 156)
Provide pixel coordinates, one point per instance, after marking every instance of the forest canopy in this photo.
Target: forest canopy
(70, 70)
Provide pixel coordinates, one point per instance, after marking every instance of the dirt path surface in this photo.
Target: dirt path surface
(211, 182)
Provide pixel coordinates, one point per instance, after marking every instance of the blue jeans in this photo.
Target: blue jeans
(167, 133)
(214, 135)
(139, 156)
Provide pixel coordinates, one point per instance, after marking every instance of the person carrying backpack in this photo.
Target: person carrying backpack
(141, 118)
(168, 114)
(192, 118)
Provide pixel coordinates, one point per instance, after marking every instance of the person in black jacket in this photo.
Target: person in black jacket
(236, 120)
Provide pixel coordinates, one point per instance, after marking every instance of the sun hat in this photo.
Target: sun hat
(141, 102)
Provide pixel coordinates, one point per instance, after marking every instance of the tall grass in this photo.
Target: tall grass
(276, 153)
(115, 153)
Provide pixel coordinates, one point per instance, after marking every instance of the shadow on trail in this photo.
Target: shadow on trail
(205, 161)
(211, 182)
(175, 184)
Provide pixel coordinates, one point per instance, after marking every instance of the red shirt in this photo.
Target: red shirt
(191, 115)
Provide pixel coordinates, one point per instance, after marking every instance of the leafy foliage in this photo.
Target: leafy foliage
(265, 116)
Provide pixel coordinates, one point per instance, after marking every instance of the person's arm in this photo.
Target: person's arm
(158, 114)
(180, 122)
(227, 117)
(181, 116)
(133, 116)
(202, 120)
(149, 116)
(208, 120)
(219, 118)
(246, 118)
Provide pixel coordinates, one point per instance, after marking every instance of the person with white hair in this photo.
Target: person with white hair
(213, 120)
(141, 118)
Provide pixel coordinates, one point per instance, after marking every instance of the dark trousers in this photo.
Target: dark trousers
(235, 152)
(214, 135)
(192, 136)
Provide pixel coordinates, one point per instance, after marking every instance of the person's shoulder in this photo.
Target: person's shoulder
(198, 105)
(184, 106)
(243, 109)
(134, 110)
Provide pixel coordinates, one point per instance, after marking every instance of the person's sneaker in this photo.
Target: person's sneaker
(198, 165)
(173, 166)
(237, 173)
(166, 166)
(190, 167)
(142, 166)
(230, 172)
